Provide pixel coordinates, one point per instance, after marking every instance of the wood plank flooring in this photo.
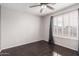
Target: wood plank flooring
(40, 48)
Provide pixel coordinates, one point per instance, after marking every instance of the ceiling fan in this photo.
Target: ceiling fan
(43, 6)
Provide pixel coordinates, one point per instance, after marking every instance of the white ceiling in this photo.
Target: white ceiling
(24, 7)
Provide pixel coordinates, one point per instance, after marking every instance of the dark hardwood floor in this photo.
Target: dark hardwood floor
(40, 48)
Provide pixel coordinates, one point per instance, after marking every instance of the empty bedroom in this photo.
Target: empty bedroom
(39, 29)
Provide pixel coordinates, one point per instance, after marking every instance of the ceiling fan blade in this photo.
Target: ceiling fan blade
(50, 7)
(44, 3)
(34, 6)
(52, 3)
(41, 10)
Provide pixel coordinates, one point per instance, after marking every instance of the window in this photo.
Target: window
(66, 25)
(55, 27)
(60, 24)
(73, 23)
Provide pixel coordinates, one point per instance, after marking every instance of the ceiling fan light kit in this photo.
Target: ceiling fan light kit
(44, 6)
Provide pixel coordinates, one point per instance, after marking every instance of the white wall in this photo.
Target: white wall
(45, 27)
(18, 28)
